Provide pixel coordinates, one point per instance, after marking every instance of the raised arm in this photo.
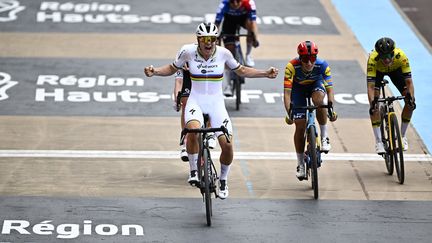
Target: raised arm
(256, 73)
(166, 70)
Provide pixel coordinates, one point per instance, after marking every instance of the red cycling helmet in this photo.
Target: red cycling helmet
(307, 48)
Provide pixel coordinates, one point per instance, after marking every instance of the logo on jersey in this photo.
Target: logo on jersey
(192, 111)
(9, 10)
(5, 84)
(225, 122)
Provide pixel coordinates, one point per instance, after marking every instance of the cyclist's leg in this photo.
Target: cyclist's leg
(400, 81)
(193, 119)
(403, 84)
(251, 27)
(375, 116)
(298, 98)
(219, 117)
(319, 98)
(229, 28)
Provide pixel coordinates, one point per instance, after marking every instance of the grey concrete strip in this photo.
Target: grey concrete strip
(234, 220)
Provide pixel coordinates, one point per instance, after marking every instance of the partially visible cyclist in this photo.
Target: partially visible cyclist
(306, 75)
(207, 63)
(388, 60)
(234, 14)
(182, 87)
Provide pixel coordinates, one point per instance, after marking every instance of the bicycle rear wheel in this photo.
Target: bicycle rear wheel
(385, 135)
(207, 192)
(312, 148)
(397, 150)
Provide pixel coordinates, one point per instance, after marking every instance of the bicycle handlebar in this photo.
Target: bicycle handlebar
(204, 130)
(311, 108)
(390, 99)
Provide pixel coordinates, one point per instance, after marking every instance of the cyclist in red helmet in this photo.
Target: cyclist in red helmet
(388, 60)
(306, 75)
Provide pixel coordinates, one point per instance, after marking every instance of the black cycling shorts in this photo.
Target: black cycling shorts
(397, 78)
(231, 25)
(186, 87)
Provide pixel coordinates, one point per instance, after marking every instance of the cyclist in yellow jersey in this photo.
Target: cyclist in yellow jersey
(388, 60)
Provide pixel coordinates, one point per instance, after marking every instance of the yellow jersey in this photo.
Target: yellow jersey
(400, 61)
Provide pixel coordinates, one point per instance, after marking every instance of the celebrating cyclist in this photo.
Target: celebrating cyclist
(207, 62)
(182, 87)
(235, 14)
(306, 75)
(388, 60)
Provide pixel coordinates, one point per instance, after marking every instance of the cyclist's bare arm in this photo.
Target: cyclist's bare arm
(410, 86)
(178, 83)
(166, 70)
(256, 73)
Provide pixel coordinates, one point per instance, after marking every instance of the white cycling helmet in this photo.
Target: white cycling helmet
(207, 29)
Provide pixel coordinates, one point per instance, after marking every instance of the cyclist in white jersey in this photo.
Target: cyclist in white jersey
(207, 62)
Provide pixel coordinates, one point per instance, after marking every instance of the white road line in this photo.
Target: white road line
(175, 155)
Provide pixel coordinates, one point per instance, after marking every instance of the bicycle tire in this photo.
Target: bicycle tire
(237, 83)
(207, 193)
(385, 135)
(397, 149)
(312, 148)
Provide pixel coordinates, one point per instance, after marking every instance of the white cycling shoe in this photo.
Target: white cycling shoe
(301, 172)
(379, 148)
(405, 143)
(223, 189)
(325, 145)
(193, 178)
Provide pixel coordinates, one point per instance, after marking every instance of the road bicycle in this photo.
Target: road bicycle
(313, 158)
(207, 175)
(237, 80)
(390, 132)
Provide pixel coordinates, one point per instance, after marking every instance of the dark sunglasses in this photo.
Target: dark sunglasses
(386, 56)
(232, 1)
(206, 39)
(306, 58)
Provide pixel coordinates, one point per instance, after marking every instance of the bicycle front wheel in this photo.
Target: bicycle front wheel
(385, 135)
(207, 192)
(312, 148)
(397, 149)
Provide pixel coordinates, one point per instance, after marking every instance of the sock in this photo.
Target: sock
(193, 161)
(377, 134)
(404, 128)
(248, 48)
(300, 158)
(323, 129)
(224, 171)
